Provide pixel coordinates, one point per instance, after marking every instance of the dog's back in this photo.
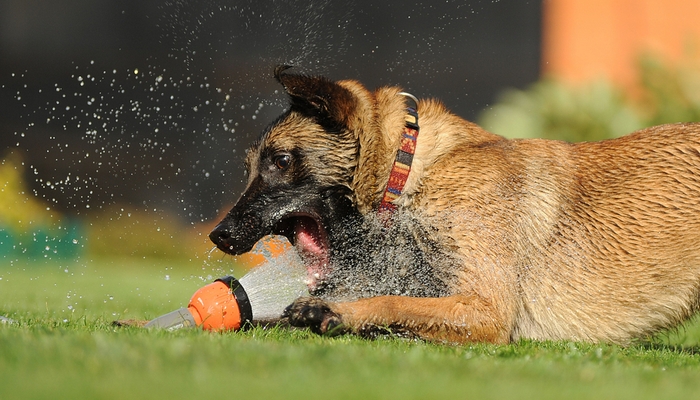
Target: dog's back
(587, 241)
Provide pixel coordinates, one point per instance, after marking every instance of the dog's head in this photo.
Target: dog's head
(302, 171)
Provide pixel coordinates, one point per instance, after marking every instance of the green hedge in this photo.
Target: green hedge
(599, 110)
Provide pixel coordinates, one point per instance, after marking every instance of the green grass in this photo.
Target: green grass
(62, 345)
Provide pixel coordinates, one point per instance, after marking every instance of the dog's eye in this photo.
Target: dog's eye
(282, 161)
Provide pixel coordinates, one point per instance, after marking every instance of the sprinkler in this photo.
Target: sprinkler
(225, 305)
(219, 306)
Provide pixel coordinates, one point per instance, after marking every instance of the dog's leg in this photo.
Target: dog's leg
(453, 319)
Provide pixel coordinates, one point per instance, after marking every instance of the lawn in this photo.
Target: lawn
(61, 344)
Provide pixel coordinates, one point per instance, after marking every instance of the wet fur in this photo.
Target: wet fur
(495, 239)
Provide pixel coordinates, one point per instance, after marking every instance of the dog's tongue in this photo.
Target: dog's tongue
(308, 237)
(310, 242)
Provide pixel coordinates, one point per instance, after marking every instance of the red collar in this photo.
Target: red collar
(404, 159)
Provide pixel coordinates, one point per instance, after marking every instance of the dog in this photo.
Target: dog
(411, 220)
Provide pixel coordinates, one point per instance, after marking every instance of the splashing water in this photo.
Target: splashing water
(275, 284)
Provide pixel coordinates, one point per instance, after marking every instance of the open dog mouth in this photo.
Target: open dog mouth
(307, 235)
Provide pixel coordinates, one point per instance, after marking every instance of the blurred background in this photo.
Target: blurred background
(123, 123)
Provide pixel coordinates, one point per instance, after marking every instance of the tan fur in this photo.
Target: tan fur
(589, 241)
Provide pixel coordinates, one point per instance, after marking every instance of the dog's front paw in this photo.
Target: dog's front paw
(315, 314)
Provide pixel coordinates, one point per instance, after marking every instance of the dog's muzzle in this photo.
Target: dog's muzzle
(227, 241)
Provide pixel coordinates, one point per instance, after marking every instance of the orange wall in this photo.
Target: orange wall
(589, 39)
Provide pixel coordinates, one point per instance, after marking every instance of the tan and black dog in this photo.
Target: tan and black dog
(484, 239)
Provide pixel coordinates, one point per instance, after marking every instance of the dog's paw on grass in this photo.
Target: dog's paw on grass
(315, 314)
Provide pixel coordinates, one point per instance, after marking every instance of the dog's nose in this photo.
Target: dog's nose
(221, 236)
(232, 237)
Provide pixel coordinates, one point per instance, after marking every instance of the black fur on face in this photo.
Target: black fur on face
(300, 172)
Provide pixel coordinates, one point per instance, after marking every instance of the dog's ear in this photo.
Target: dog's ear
(318, 97)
